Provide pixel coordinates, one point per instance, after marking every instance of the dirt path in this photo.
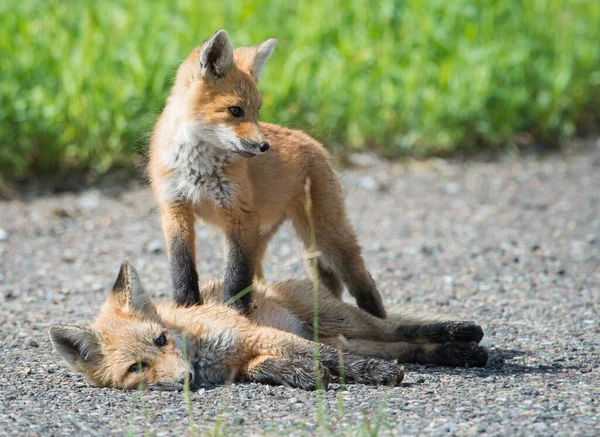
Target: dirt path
(513, 244)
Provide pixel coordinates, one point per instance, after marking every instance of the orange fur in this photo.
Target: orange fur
(194, 164)
(217, 344)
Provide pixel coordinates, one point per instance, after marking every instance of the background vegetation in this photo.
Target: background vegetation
(82, 81)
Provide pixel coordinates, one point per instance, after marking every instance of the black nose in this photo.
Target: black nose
(264, 147)
(191, 378)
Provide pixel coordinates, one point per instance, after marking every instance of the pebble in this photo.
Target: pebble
(3, 235)
(364, 160)
(369, 183)
(154, 246)
(69, 256)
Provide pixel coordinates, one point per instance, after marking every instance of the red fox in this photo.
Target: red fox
(133, 342)
(211, 159)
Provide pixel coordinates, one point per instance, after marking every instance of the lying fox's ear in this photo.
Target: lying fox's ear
(216, 55)
(75, 344)
(253, 58)
(128, 292)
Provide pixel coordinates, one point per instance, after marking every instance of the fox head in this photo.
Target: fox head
(127, 345)
(218, 88)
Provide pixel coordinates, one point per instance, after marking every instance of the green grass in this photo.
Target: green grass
(82, 81)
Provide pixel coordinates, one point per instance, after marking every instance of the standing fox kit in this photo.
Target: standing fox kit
(133, 341)
(211, 159)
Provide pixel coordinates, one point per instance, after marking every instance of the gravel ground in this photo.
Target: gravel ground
(513, 243)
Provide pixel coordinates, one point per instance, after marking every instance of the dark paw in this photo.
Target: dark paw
(439, 332)
(459, 354)
(463, 331)
(373, 371)
(306, 378)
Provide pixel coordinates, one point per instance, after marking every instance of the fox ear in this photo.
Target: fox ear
(216, 55)
(253, 58)
(129, 293)
(77, 345)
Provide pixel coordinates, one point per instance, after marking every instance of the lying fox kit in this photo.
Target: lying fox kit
(133, 342)
(211, 159)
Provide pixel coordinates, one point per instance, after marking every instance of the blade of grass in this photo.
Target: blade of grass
(187, 397)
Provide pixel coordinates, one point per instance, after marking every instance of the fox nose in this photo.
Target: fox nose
(191, 378)
(264, 147)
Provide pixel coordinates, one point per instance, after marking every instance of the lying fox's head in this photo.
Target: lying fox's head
(217, 85)
(128, 344)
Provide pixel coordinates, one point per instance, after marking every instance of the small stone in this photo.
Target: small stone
(89, 201)
(68, 256)
(62, 213)
(32, 343)
(364, 159)
(369, 183)
(427, 250)
(154, 246)
(451, 188)
(3, 235)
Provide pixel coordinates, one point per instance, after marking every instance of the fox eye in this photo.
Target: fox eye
(236, 111)
(161, 340)
(137, 367)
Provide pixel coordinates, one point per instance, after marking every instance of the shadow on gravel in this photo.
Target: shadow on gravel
(499, 364)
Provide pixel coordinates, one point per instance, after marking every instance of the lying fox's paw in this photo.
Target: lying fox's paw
(303, 376)
(296, 373)
(440, 332)
(373, 371)
(462, 331)
(455, 354)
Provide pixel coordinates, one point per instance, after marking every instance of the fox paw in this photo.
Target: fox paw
(457, 354)
(462, 331)
(440, 332)
(372, 371)
(305, 377)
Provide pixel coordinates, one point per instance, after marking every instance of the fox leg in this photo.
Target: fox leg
(453, 354)
(297, 373)
(362, 370)
(241, 241)
(327, 277)
(261, 249)
(178, 227)
(438, 331)
(340, 318)
(340, 254)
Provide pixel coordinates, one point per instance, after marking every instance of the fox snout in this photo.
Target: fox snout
(190, 377)
(254, 147)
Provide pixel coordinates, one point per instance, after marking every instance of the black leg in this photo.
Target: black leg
(440, 332)
(239, 273)
(297, 373)
(183, 274)
(361, 370)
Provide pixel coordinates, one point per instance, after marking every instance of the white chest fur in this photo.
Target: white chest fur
(197, 172)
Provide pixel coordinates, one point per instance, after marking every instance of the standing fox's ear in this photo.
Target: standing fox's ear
(75, 344)
(253, 58)
(129, 293)
(216, 55)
